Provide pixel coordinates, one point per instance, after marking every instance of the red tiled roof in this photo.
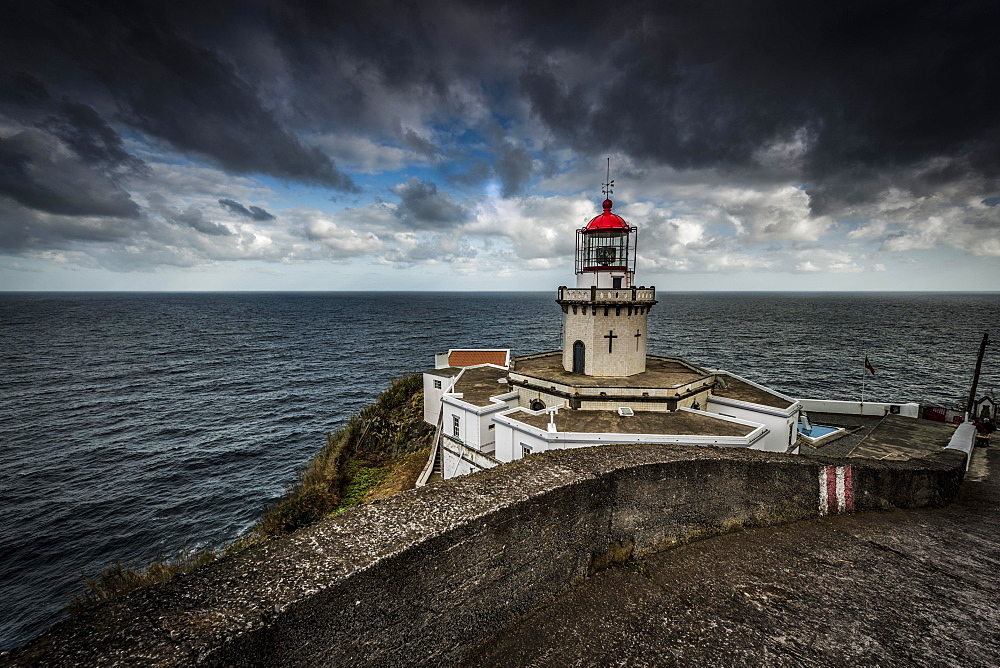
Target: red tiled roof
(474, 357)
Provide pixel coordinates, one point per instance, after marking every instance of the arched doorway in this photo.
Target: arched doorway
(578, 357)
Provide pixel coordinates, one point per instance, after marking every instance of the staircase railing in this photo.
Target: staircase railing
(429, 466)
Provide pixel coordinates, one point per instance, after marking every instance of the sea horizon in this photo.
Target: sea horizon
(497, 292)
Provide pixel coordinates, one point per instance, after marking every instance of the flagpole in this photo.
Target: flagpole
(864, 369)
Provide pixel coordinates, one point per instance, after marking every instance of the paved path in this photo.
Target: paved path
(916, 587)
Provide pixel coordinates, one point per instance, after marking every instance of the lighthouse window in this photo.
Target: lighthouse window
(605, 249)
(525, 450)
(455, 426)
(437, 384)
(616, 283)
(606, 256)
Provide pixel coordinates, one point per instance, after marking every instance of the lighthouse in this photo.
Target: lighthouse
(601, 387)
(604, 316)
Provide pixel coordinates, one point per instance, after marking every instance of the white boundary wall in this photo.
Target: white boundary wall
(876, 408)
(512, 436)
(963, 440)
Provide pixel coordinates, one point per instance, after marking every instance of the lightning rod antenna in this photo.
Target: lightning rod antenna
(609, 184)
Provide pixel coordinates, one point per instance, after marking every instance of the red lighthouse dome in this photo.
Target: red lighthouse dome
(606, 221)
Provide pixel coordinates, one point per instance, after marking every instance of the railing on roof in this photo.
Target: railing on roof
(614, 295)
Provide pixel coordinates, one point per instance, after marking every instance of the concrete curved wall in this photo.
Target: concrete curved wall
(426, 576)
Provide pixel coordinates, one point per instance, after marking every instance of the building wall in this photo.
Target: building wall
(590, 325)
(603, 279)
(657, 402)
(525, 395)
(432, 396)
(612, 404)
(781, 428)
(462, 460)
(469, 431)
(487, 435)
(474, 421)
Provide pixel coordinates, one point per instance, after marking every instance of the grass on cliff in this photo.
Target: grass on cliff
(378, 452)
(119, 579)
(354, 461)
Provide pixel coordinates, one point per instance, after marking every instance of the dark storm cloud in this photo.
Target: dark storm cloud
(91, 138)
(879, 86)
(422, 206)
(417, 144)
(252, 213)
(24, 229)
(61, 157)
(134, 59)
(852, 98)
(37, 173)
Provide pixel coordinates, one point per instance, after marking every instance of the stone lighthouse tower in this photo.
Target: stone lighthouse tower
(604, 331)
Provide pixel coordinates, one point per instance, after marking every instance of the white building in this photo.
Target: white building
(602, 387)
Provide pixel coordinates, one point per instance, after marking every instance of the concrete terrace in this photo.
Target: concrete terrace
(643, 422)
(891, 437)
(907, 587)
(661, 372)
(478, 384)
(445, 372)
(743, 391)
(900, 438)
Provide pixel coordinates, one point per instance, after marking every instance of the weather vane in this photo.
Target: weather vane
(609, 185)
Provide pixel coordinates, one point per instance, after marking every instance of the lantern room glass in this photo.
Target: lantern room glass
(605, 250)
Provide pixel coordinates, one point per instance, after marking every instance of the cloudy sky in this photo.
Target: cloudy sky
(433, 145)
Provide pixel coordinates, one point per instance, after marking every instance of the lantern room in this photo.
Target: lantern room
(605, 251)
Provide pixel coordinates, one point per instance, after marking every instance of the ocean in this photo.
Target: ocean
(135, 425)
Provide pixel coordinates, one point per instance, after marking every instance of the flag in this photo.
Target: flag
(868, 365)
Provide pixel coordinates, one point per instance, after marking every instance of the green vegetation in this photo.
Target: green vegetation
(355, 459)
(363, 480)
(364, 454)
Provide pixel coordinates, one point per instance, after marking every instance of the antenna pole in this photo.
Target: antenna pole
(864, 369)
(608, 186)
(975, 377)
